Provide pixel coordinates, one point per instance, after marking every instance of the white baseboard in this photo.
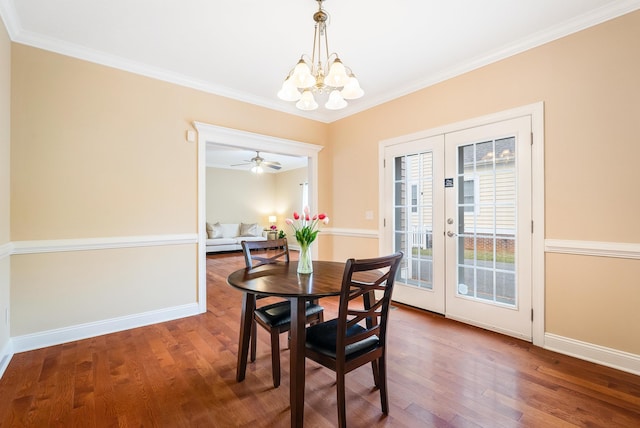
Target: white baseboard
(609, 357)
(5, 357)
(57, 336)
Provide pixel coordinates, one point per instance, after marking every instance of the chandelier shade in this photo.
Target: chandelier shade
(322, 73)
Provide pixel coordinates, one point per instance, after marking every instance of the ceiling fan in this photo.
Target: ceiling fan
(259, 163)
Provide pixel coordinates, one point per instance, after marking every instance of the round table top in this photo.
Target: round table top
(282, 279)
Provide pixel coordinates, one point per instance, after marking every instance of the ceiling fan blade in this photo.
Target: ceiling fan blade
(242, 164)
(272, 165)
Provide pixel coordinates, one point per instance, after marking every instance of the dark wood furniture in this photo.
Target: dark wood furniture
(358, 335)
(282, 280)
(274, 317)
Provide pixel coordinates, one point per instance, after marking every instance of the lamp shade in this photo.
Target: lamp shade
(335, 102)
(307, 102)
(302, 76)
(289, 92)
(337, 76)
(272, 219)
(352, 89)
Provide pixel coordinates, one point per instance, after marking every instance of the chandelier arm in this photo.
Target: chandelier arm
(326, 46)
(315, 40)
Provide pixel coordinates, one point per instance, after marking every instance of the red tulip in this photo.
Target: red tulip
(296, 216)
(307, 218)
(322, 216)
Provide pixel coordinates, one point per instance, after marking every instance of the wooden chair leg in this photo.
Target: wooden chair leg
(253, 339)
(382, 381)
(376, 373)
(275, 357)
(341, 399)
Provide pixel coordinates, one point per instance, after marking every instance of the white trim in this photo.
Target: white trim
(609, 357)
(536, 112)
(538, 219)
(60, 245)
(6, 250)
(352, 233)
(57, 336)
(208, 133)
(6, 354)
(19, 35)
(620, 250)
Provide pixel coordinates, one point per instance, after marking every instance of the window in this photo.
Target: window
(414, 198)
(469, 195)
(305, 195)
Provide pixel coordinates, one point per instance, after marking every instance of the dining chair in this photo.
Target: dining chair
(359, 334)
(274, 317)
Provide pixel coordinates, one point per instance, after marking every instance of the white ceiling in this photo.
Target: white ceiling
(227, 157)
(243, 49)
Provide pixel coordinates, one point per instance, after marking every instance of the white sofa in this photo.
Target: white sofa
(228, 236)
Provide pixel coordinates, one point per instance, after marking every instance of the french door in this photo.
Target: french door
(459, 207)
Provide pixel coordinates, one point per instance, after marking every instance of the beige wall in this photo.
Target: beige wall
(101, 153)
(239, 196)
(97, 152)
(589, 85)
(289, 197)
(5, 137)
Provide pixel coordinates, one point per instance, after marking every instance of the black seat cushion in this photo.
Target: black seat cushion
(322, 338)
(278, 314)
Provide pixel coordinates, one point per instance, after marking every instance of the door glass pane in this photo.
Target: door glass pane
(413, 217)
(487, 221)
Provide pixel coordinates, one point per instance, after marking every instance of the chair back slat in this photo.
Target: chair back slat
(253, 259)
(359, 303)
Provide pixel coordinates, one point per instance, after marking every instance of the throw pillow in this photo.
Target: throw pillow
(249, 229)
(209, 231)
(216, 231)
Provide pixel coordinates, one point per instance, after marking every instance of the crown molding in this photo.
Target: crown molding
(19, 35)
(584, 21)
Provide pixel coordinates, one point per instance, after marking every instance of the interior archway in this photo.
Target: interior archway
(208, 133)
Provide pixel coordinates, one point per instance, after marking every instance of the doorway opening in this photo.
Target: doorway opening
(212, 134)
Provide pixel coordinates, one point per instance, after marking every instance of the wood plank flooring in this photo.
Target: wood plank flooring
(182, 374)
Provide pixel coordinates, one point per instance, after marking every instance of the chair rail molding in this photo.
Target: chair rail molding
(61, 245)
(622, 250)
(352, 233)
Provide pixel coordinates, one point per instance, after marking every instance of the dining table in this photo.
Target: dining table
(281, 279)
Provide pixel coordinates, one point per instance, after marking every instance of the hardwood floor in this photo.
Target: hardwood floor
(182, 374)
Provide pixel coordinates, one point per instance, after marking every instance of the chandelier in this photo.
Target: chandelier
(313, 75)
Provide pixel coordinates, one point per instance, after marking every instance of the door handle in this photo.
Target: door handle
(450, 234)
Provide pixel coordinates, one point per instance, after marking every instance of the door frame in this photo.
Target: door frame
(208, 133)
(536, 112)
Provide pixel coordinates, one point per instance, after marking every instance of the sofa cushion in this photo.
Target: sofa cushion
(229, 230)
(216, 231)
(250, 229)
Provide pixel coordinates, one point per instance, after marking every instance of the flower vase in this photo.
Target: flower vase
(305, 265)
